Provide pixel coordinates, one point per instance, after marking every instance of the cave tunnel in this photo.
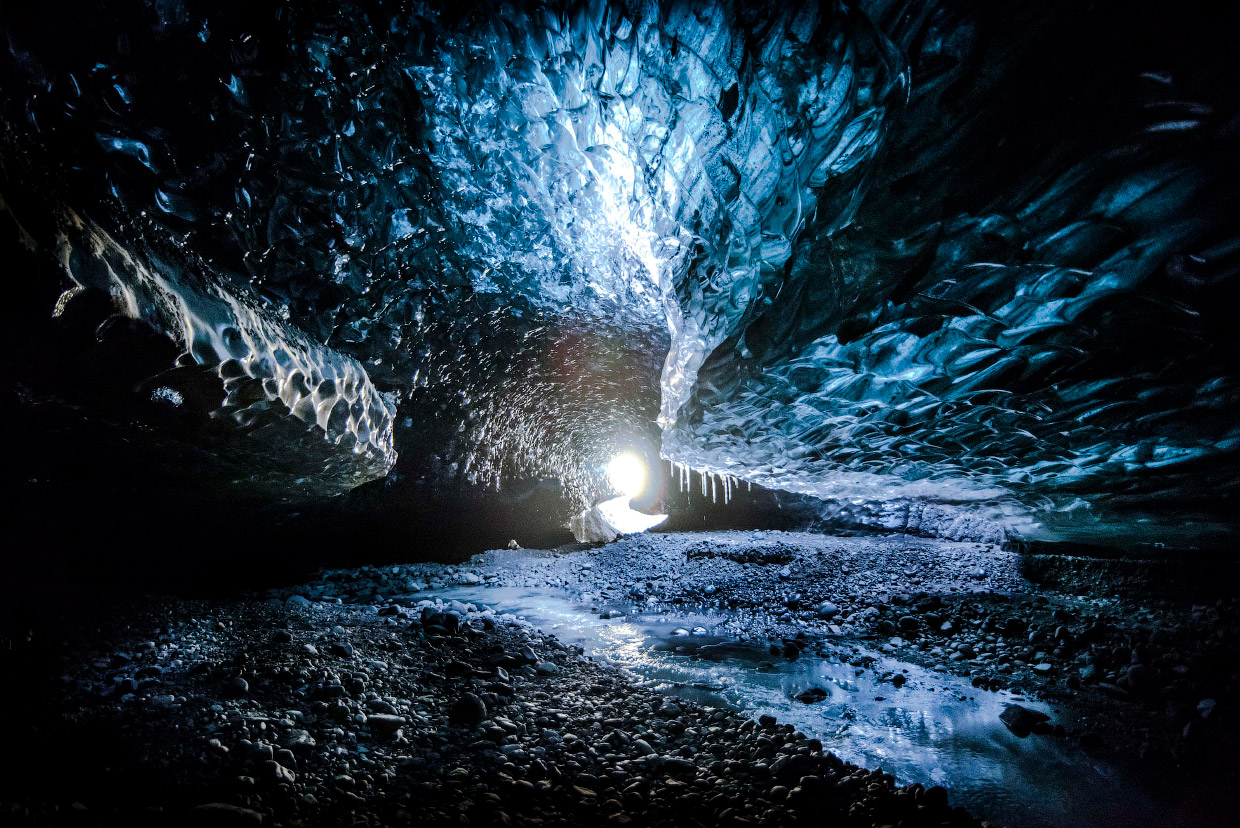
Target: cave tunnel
(611, 412)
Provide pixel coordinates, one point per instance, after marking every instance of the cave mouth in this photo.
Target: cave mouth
(655, 413)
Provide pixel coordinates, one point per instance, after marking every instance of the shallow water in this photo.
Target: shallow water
(936, 729)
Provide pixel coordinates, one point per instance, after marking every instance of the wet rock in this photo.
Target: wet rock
(811, 696)
(827, 609)
(1021, 720)
(935, 797)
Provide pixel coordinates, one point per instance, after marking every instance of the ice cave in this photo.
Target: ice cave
(620, 412)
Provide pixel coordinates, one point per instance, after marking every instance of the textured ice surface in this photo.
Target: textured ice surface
(262, 363)
(909, 258)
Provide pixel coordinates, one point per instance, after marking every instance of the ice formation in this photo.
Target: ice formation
(609, 520)
(888, 254)
(261, 364)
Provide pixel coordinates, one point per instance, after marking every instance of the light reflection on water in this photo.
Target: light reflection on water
(936, 729)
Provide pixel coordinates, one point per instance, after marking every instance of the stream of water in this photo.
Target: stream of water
(936, 729)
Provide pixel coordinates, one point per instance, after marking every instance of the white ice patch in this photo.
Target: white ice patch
(609, 520)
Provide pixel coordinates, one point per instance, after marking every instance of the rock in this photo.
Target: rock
(935, 797)
(273, 771)
(468, 711)
(299, 740)
(383, 724)
(281, 637)
(236, 688)
(1142, 679)
(811, 696)
(1021, 720)
(470, 578)
(678, 766)
(1014, 626)
(1206, 707)
(1044, 668)
(327, 692)
(223, 815)
(827, 609)
(907, 624)
(1092, 741)
(342, 649)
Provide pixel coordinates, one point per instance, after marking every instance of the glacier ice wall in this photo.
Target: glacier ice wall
(1028, 311)
(895, 255)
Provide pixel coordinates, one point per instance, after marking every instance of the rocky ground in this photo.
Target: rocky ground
(359, 699)
(1141, 675)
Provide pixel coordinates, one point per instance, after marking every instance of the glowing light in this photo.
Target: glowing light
(627, 474)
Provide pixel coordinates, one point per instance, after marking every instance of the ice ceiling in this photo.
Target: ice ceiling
(937, 251)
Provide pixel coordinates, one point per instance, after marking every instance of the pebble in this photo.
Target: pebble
(386, 725)
(468, 710)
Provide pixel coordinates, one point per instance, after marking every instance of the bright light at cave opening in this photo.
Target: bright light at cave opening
(627, 474)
